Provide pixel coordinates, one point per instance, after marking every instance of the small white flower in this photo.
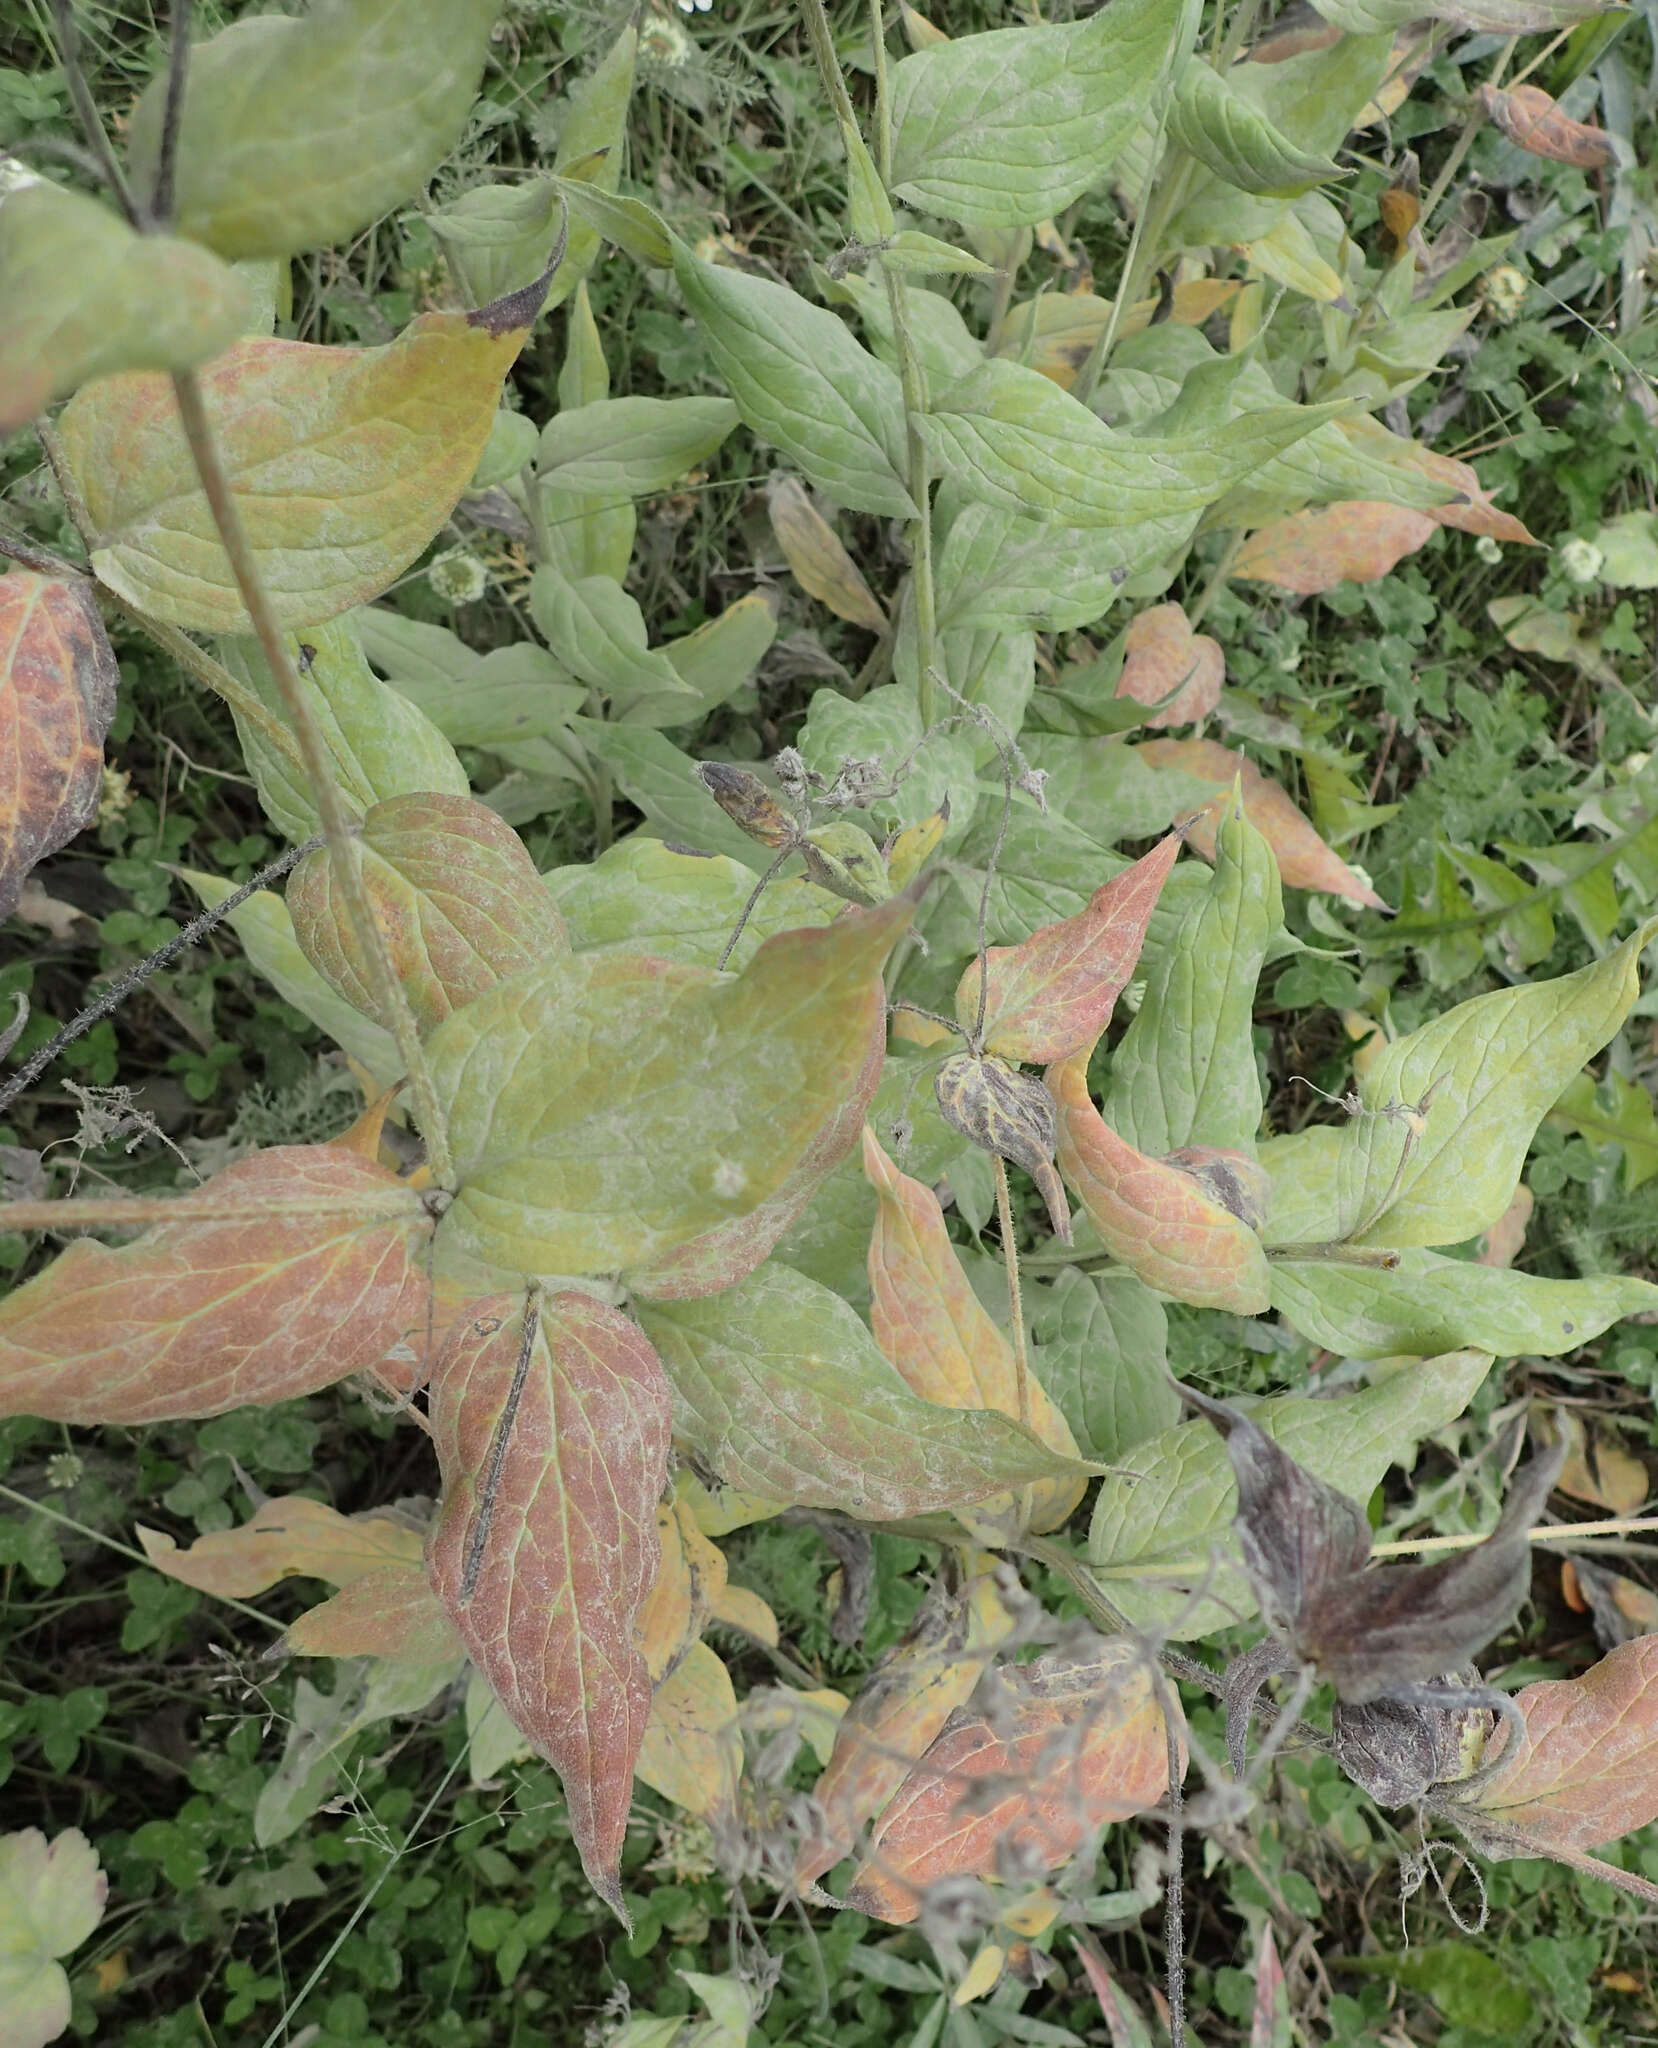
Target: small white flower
(1504, 291)
(1581, 560)
(64, 1469)
(458, 577)
(662, 38)
(1489, 548)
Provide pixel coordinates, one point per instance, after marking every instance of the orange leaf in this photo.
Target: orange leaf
(1587, 1771)
(1506, 1238)
(314, 1275)
(1528, 116)
(940, 1336)
(57, 697)
(291, 1537)
(1162, 655)
(1054, 992)
(903, 1706)
(546, 1587)
(1304, 861)
(455, 893)
(1156, 1217)
(1357, 541)
(1073, 1741)
(1477, 515)
(392, 1612)
(687, 1590)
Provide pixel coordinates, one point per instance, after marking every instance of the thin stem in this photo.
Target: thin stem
(119, 989)
(883, 100)
(178, 66)
(344, 847)
(920, 528)
(86, 111)
(822, 39)
(1174, 1883)
(16, 547)
(1015, 1298)
(1465, 141)
(1217, 579)
(218, 679)
(1545, 1532)
(1159, 207)
(69, 489)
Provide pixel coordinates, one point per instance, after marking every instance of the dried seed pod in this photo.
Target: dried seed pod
(1232, 1179)
(1397, 1750)
(747, 802)
(1008, 1113)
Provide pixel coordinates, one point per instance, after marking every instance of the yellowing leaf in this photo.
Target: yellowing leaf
(983, 1975)
(51, 1898)
(455, 894)
(314, 1275)
(126, 302)
(608, 1108)
(1166, 663)
(1159, 1219)
(300, 132)
(57, 697)
(1600, 1471)
(391, 1613)
(344, 462)
(821, 566)
(737, 1607)
(545, 1583)
(915, 846)
(1053, 994)
(693, 1750)
(688, 1587)
(1068, 1743)
(1352, 543)
(1527, 115)
(285, 1537)
(1304, 861)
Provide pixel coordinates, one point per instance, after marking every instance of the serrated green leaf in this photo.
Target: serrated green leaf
(1014, 438)
(1004, 129)
(1213, 121)
(629, 447)
(1431, 1302)
(1185, 1072)
(802, 382)
(1101, 1341)
(1162, 1543)
(381, 744)
(779, 1389)
(597, 632)
(296, 133)
(85, 296)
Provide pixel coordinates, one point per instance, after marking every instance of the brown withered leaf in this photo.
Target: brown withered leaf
(942, 1338)
(391, 1612)
(1054, 992)
(747, 802)
(290, 1536)
(314, 1274)
(546, 1580)
(1163, 659)
(1506, 1238)
(1622, 1607)
(1374, 1630)
(57, 697)
(455, 893)
(903, 1706)
(1528, 116)
(1304, 861)
(821, 566)
(1587, 1771)
(1064, 1745)
(1601, 1471)
(1398, 1750)
(1006, 1112)
(693, 1748)
(1357, 541)
(1400, 207)
(688, 1587)
(1162, 1221)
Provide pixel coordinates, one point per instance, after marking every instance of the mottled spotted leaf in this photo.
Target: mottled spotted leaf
(314, 1274)
(1165, 663)
(693, 1748)
(551, 1427)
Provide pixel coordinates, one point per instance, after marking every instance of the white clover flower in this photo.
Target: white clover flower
(1489, 548)
(1504, 291)
(662, 38)
(458, 577)
(1581, 560)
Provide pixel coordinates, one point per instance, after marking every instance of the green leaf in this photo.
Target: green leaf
(86, 296)
(1213, 121)
(1102, 1341)
(645, 897)
(945, 345)
(885, 726)
(51, 1898)
(591, 136)
(508, 451)
(498, 238)
(1002, 569)
(1432, 1303)
(1185, 1071)
(605, 1108)
(1016, 439)
(779, 1389)
(652, 773)
(380, 743)
(717, 660)
(1615, 1111)
(1162, 1543)
(1477, 1081)
(1004, 129)
(1470, 1988)
(1493, 17)
(296, 133)
(266, 931)
(802, 382)
(1313, 99)
(629, 447)
(598, 633)
(622, 219)
(475, 700)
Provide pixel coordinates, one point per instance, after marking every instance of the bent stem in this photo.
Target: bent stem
(345, 850)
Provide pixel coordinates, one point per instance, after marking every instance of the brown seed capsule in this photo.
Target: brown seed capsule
(1397, 1750)
(1009, 1113)
(1232, 1179)
(747, 802)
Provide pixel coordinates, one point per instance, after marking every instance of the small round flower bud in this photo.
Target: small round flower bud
(1581, 560)
(458, 577)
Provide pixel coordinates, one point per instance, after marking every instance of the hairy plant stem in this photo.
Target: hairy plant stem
(63, 475)
(178, 66)
(344, 847)
(86, 112)
(1015, 1296)
(883, 100)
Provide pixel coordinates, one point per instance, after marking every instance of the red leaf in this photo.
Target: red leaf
(57, 697)
(546, 1584)
(1054, 992)
(1304, 861)
(391, 1613)
(314, 1277)
(1070, 1742)
(1358, 541)
(1161, 654)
